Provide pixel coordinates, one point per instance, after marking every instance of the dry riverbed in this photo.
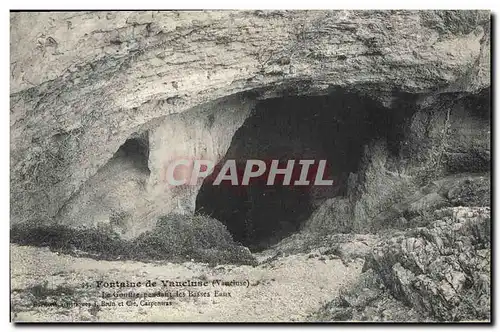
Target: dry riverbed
(51, 287)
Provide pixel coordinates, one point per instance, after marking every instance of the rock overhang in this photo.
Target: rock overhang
(102, 85)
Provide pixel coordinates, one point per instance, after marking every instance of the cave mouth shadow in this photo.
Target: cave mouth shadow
(334, 128)
(136, 150)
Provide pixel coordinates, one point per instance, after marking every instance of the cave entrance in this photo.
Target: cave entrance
(135, 150)
(334, 128)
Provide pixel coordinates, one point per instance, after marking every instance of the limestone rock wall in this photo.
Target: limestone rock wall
(129, 199)
(82, 83)
(204, 133)
(437, 272)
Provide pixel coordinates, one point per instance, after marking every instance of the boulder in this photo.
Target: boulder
(442, 269)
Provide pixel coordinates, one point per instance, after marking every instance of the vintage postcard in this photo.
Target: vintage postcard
(250, 166)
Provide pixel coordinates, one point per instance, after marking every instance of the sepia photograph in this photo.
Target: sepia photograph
(250, 166)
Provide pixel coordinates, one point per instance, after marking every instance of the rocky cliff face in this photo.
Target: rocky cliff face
(82, 84)
(440, 271)
(396, 102)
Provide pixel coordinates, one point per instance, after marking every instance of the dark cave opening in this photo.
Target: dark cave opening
(136, 150)
(334, 128)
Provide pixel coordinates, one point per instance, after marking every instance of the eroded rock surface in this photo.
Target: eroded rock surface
(101, 102)
(441, 271)
(83, 83)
